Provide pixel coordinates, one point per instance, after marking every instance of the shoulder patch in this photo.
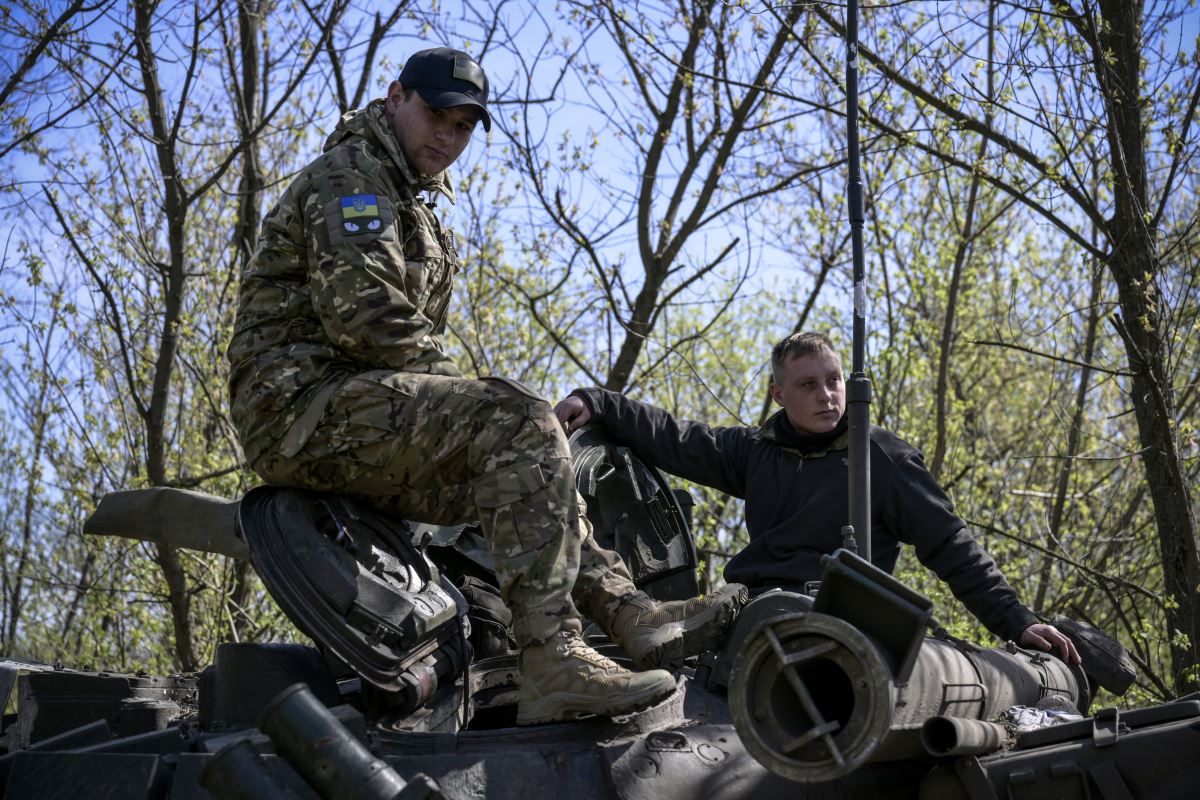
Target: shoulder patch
(360, 214)
(359, 218)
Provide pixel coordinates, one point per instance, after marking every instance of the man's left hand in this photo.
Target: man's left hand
(1043, 636)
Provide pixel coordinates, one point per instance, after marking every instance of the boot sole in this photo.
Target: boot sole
(564, 706)
(704, 631)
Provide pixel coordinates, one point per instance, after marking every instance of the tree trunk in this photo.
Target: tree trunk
(250, 186)
(1135, 268)
(249, 214)
(173, 287)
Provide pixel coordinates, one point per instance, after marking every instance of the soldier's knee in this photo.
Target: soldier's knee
(527, 420)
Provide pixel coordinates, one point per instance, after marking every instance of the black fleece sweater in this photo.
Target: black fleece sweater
(796, 504)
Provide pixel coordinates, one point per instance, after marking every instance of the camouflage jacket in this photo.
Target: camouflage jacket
(352, 272)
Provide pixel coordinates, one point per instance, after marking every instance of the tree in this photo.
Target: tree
(31, 98)
(662, 199)
(657, 198)
(1072, 112)
(160, 246)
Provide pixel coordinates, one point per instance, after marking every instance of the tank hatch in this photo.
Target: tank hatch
(634, 511)
(352, 580)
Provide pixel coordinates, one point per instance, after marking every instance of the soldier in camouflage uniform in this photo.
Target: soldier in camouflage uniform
(340, 382)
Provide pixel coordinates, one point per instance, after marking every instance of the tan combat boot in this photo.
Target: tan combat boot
(654, 634)
(563, 679)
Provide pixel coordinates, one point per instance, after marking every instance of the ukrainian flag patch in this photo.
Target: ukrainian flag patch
(360, 214)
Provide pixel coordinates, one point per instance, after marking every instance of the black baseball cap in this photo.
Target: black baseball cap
(445, 77)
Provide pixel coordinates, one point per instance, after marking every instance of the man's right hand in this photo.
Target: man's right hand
(572, 413)
(1044, 636)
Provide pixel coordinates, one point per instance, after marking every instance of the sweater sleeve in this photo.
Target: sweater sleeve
(715, 457)
(920, 513)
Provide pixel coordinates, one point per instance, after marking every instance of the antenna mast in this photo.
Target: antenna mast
(858, 387)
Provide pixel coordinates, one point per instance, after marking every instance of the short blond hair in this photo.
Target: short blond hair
(809, 343)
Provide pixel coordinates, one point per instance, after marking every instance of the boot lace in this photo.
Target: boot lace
(572, 645)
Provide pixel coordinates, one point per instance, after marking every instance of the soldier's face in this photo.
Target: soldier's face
(432, 138)
(812, 391)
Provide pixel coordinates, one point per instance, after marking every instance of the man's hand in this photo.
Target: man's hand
(572, 413)
(1041, 636)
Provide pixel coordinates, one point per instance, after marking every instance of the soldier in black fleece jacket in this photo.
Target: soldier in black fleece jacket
(792, 474)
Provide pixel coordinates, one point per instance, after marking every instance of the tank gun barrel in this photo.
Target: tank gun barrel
(959, 736)
(816, 695)
(328, 757)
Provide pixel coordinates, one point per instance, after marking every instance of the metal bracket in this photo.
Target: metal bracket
(1106, 727)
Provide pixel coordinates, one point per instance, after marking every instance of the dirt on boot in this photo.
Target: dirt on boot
(654, 633)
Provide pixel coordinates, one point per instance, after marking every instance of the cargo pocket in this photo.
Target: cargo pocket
(517, 525)
(363, 420)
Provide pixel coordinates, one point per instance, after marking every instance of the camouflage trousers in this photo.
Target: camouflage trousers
(448, 450)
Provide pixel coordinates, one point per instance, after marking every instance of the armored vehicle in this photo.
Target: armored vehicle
(410, 690)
